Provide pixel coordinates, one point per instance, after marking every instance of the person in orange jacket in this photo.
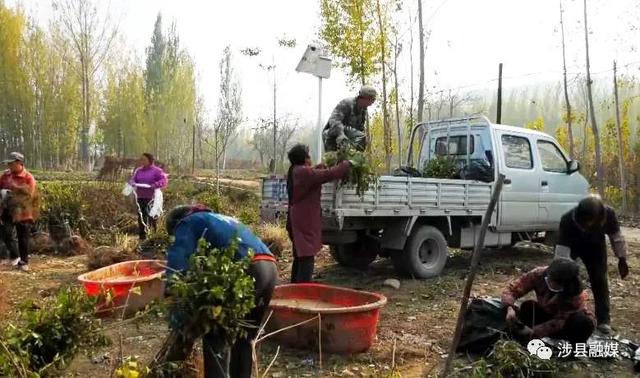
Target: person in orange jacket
(19, 209)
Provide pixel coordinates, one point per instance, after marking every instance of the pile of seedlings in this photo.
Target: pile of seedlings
(362, 175)
(509, 359)
(212, 297)
(48, 335)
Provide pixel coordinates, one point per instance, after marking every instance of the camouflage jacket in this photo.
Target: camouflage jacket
(346, 114)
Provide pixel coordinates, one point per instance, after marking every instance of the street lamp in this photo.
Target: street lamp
(316, 62)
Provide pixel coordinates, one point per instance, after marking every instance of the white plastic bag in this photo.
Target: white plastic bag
(128, 190)
(156, 205)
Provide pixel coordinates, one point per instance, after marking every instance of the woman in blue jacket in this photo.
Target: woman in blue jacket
(191, 223)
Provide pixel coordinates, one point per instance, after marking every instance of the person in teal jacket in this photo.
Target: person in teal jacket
(191, 223)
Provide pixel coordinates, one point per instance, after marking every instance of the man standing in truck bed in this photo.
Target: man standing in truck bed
(346, 124)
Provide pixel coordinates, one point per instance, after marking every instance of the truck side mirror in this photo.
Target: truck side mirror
(574, 166)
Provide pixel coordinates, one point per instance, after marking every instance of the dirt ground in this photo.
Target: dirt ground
(419, 318)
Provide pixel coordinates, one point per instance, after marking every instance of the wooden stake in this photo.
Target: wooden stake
(320, 339)
(475, 259)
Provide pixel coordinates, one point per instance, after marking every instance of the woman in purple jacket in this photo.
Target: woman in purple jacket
(146, 179)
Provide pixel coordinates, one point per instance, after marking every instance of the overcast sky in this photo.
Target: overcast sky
(468, 39)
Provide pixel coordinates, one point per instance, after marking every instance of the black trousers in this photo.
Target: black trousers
(144, 218)
(302, 268)
(577, 328)
(595, 261)
(237, 361)
(23, 231)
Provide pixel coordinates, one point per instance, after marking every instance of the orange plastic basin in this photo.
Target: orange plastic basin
(349, 317)
(130, 284)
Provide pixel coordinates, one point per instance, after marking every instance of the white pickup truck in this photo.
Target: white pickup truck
(413, 220)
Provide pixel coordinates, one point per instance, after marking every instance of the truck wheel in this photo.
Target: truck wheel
(425, 253)
(356, 255)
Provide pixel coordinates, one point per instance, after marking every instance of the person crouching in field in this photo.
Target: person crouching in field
(19, 208)
(190, 223)
(304, 218)
(560, 309)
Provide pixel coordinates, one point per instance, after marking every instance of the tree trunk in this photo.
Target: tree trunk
(385, 114)
(275, 123)
(217, 161)
(84, 135)
(566, 91)
(395, 79)
(421, 68)
(411, 73)
(621, 160)
(594, 125)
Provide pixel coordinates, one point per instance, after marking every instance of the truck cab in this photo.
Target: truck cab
(542, 182)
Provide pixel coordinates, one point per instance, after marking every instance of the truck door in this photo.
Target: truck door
(521, 193)
(559, 190)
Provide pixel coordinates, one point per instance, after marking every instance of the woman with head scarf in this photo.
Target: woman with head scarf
(560, 308)
(304, 220)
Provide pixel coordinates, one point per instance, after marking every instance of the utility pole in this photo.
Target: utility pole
(499, 110)
(623, 182)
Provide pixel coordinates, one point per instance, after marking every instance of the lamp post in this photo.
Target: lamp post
(316, 62)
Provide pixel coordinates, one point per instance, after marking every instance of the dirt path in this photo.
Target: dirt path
(419, 317)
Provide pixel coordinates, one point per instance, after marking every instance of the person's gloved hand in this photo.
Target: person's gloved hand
(342, 141)
(511, 315)
(4, 193)
(623, 268)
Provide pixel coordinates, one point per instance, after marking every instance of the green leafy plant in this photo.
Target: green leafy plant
(509, 359)
(216, 293)
(61, 201)
(362, 175)
(48, 335)
(441, 167)
(131, 368)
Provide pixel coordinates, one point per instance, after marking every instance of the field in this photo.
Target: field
(415, 326)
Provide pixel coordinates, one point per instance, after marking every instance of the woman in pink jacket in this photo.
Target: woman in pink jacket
(304, 221)
(146, 179)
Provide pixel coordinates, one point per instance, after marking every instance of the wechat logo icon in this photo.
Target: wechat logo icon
(537, 348)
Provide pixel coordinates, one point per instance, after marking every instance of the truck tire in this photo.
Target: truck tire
(425, 253)
(358, 255)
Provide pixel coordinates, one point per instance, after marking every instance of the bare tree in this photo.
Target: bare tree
(592, 114)
(566, 91)
(421, 68)
(410, 68)
(385, 113)
(397, 48)
(229, 110)
(262, 141)
(92, 34)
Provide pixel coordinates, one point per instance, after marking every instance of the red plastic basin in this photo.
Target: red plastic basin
(139, 281)
(349, 317)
